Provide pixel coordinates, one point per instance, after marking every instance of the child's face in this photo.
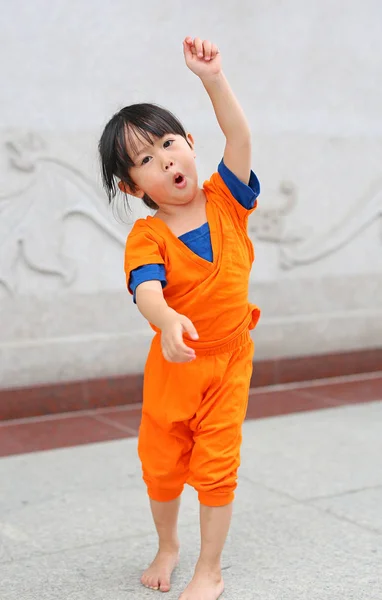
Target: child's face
(165, 170)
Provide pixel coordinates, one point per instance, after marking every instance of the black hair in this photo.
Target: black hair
(146, 120)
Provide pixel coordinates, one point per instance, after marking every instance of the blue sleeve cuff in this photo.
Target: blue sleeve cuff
(146, 273)
(246, 195)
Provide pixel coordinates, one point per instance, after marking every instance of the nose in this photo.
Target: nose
(169, 163)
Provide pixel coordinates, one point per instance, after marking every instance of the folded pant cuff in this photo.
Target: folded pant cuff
(163, 495)
(214, 499)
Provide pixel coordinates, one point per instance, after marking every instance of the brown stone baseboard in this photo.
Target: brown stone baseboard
(17, 403)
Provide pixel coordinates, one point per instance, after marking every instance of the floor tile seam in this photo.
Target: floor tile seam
(343, 519)
(326, 401)
(282, 494)
(68, 415)
(324, 406)
(237, 512)
(53, 498)
(346, 493)
(297, 385)
(299, 412)
(268, 510)
(303, 503)
(41, 554)
(111, 423)
(332, 401)
(102, 440)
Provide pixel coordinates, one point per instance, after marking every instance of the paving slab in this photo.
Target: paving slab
(89, 517)
(363, 507)
(316, 454)
(74, 523)
(73, 497)
(291, 553)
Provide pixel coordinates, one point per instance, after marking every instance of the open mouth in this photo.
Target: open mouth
(179, 180)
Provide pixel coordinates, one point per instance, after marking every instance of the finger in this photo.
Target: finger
(169, 349)
(182, 359)
(166, 354)
(187, 49)
(179, 354)
(183, 350)
(184, 356)
(207, 49)
(177, 344)
(198, 47)
(214, 51)
(189, 328)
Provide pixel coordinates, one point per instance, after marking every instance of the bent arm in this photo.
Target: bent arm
(151, 303)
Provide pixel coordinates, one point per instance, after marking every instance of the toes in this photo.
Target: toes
(153, 584)
(164, 586)
(149, 583)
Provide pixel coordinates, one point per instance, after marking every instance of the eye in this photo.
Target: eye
(168, 143)
(145, 160)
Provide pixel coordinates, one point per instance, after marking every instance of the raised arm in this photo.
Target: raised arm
(203, 59)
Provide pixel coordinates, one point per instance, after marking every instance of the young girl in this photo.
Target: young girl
(188, 269)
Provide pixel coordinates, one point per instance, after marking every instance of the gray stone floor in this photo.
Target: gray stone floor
(75, 524)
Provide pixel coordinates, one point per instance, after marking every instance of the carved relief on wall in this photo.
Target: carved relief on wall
(35, 205)
(298, 246)
(41, 190)
(360, 216)
(271, 224)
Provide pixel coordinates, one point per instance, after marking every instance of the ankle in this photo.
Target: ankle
(170, 546)
(210, 566)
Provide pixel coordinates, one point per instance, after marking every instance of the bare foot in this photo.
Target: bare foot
(158, 575)
(206, 584)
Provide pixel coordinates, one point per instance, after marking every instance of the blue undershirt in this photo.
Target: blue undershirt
(199, 240)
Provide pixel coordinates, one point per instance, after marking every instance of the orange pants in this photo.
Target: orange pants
(191, 421)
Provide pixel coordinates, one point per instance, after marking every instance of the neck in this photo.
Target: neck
(167, 211)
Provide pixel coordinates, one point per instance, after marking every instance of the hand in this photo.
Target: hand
(202, 58)
(173, 347)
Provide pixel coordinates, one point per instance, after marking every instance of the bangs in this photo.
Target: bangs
(136, 136)
(147, 122)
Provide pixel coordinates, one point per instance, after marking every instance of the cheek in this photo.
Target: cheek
(153, 183)
(189, 160)
(145, 179)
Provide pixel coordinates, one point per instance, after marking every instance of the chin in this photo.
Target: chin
(189, 197)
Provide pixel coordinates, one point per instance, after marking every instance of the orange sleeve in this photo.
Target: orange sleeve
(142, 248)
(221, 194)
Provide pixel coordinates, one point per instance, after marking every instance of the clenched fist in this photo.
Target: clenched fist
(202, 57)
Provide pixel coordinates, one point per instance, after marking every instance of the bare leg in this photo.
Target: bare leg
(158, 575)
(207, 583)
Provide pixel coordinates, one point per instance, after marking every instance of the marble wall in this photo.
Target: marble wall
(308, 76)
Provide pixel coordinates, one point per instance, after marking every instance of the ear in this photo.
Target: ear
(127, 190)
(191, 142)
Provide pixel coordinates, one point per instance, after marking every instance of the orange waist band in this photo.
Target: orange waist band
(237, 338)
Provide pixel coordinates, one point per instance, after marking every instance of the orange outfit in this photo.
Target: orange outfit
(192, 412)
